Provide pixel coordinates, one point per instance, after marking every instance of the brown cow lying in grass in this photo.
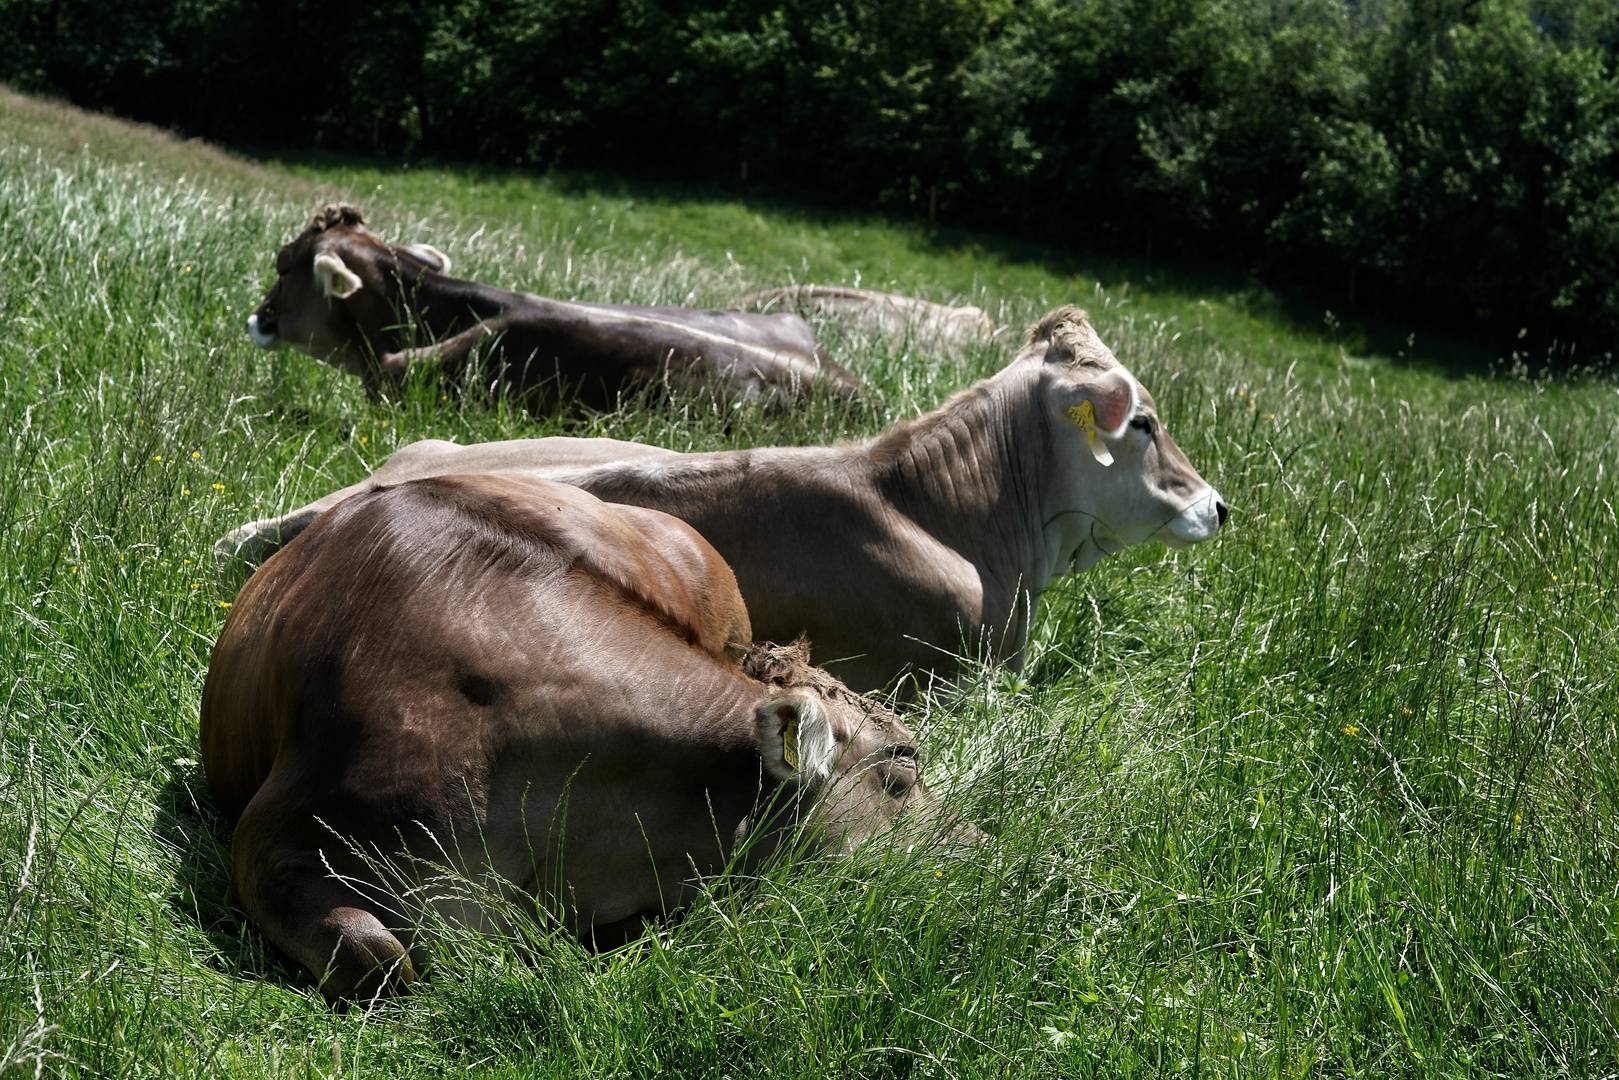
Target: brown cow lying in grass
(901, 553)
(537, 688)
(346, 297)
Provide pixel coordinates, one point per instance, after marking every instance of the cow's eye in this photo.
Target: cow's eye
(1142, 423)
(902, 771)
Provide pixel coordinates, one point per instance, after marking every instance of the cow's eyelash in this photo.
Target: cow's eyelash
(1144, 423)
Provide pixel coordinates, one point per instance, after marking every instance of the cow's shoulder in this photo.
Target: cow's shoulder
(640, 558)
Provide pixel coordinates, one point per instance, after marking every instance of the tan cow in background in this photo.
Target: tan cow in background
(929, 326)
(901, 554)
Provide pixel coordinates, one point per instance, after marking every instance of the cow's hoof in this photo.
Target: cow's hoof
(368, 962)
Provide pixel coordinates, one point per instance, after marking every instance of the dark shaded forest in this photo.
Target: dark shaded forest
(1449, 157)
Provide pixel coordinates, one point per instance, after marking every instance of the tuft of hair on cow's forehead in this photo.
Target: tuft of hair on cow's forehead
(1072, 339)
(789, 667)
(329, 217)
(332, 215)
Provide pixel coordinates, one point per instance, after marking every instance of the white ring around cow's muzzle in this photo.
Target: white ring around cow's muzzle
(259, 337)
(1198, 522)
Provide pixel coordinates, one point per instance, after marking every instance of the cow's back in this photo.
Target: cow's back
(401, 595)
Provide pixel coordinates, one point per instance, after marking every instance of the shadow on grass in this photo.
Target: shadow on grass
(188, 822)
(1441, 342)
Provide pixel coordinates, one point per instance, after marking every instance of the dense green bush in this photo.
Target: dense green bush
(1457, 154)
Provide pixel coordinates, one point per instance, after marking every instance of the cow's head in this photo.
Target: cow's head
(854, 758)
(1114, 476)
(333, 297)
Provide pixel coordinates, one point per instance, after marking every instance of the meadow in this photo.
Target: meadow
(1335, 794)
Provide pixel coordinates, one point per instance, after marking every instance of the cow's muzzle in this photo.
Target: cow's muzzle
(262, 331)
(1201, 519)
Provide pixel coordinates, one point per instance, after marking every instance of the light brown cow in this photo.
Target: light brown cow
(345, 297)
(538, 689)
(932, 541)
(929, 325)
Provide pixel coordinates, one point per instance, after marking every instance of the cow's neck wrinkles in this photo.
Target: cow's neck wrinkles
(969, 473)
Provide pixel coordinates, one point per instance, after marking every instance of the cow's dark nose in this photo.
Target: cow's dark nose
(1221, 512)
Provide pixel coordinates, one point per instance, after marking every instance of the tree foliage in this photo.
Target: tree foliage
(1459, 153)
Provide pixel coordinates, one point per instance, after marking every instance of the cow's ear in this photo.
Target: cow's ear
(432, 256)
(1107, 402)
(335, 278)
(1115, 398)
(795, 739)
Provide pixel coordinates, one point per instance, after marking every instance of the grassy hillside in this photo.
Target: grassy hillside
(1332, 795)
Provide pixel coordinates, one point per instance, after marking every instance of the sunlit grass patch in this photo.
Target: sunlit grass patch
(1332, 794)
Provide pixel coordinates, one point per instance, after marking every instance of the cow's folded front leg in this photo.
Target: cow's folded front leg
(326, 923)
(446, 356)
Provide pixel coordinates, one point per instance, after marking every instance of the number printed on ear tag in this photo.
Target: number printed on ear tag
(789, 744)
(1084, 414)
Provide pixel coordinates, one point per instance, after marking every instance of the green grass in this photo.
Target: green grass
(1332, 795)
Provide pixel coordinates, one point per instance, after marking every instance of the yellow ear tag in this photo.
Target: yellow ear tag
(1084, 414)
(789, 744)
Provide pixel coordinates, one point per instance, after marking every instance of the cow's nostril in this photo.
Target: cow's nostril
(261, 330)
(1221, 512)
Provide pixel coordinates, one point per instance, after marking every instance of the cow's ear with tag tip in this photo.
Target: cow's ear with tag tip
(1107, 403)
(795, 739)
(335, 278)
(432, 256)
